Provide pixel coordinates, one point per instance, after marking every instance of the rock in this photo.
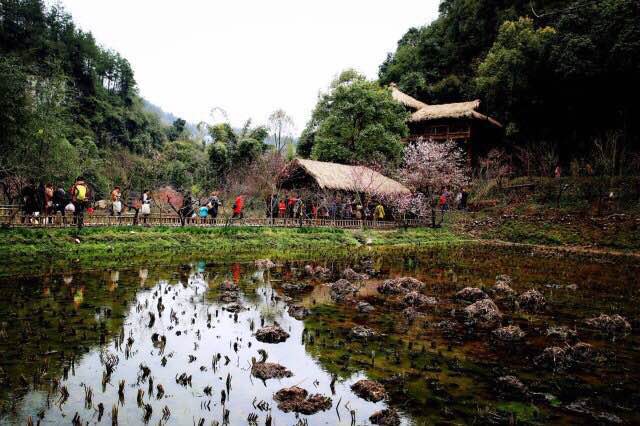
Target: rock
(531, 301)
(482, 314)
(558, 358)
(573, 287)
(510, 333)
(317, 271)
(362, 332)
(271, 334)
(614, 324)
(342, 289)
(562, 333)
(369, 390)
(269, 370)
(418, 300)
(471, 294)
(581, 352)
(510, 386)
(387, 417)
(234, 308)
(553, 357)
(264, 264)
(351, 275)
(502, 289)
(400, 285)
(298, 312)
(364, 307)
(296, 288)
(295, 399)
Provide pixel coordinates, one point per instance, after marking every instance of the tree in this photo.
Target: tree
(356, 121)
(511, 75)
(281, 126)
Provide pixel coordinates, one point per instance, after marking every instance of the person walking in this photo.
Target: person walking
(464, 196)
(145, 208)
(80, 198)
(238, 206)
(48, 201)
(213, 204)
(282, 209)
(116, 201)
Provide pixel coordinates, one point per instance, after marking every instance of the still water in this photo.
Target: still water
(178, 354)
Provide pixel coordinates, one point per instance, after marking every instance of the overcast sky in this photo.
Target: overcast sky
(247, 57)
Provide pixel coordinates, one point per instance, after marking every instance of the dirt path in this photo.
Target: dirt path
(567, 249)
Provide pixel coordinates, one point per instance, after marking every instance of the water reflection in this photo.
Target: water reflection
(185, 355)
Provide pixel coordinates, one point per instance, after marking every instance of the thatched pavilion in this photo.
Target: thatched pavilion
(319, 176)
(459, 121)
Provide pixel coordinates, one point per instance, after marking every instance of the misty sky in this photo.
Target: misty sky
(247, 57)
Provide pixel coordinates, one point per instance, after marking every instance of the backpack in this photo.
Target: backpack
(81, 192)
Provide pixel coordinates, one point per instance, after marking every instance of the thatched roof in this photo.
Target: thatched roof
(425, 112)
(454, 110)
(341, 177)
(405, 99)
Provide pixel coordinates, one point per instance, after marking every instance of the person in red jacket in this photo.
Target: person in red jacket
(238, 205)
(282, 209)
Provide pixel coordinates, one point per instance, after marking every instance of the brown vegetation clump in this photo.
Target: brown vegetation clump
(364, 307)
(318, 271)
(363, 332)
(558, 358)
(502, 290)
(295, 399)
(386, 417)
(298, 312)
(562, 333)
(351, 275)
(269, 370)
(369, 390)
(471, 294)
(510, 333)
(418, 300)
(400, 285)
(271, 334)
(483, 314)
(228, 297)
(342, 289)
(531, 301)
(296, 288)
(234, 308)
(611, 324)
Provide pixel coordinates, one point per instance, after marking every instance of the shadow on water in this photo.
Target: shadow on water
(176, 344)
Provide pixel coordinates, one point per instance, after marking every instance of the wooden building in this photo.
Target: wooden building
(459, 121)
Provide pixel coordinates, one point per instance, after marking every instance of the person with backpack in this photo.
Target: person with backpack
(80, 198)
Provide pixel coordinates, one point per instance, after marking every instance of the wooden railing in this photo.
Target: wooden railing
(93, 220)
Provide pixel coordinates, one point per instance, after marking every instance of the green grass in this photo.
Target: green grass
(94, 248)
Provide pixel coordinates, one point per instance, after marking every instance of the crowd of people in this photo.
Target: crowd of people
(293, 205)
(48, 201)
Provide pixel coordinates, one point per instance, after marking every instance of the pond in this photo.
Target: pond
(185, 344)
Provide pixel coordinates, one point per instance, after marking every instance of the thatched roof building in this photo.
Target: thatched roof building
(458, 121)
(307, 174)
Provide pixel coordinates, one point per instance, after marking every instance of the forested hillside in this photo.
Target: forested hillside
(71, 107)
(557, 72)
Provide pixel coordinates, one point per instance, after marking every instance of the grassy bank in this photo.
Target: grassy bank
(22, 250)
